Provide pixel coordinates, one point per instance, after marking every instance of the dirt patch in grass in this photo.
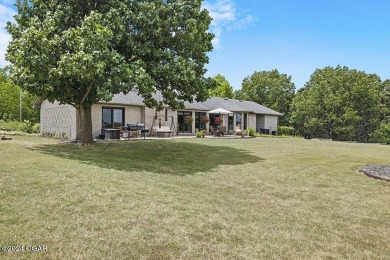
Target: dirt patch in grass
(377, 171)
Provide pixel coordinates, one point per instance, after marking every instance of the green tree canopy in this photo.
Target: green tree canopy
(82, 52)
(10, 102)
(385, 100)
(271, 89)
(223, 89)
(338, 103)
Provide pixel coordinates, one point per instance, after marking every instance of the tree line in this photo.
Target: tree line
(337, 103)
(10, 98)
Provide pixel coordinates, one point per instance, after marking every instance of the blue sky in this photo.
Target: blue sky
(298, 36)
(294, 36)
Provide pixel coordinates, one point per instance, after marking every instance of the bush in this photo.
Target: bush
(27, 127)
(200, 134)
(286, 130)
(14, 126)
(251, 131)
(36, 128)
(382, 134)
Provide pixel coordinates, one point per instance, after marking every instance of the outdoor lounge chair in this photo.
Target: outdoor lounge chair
(163, 130)
(220, 131)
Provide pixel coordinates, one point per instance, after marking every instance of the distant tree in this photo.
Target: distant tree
(338, 103)
(10, 102)
(385, 100)
(223, 89)
(271, 89)
(238, 94)
(382, 134)
(83, 52)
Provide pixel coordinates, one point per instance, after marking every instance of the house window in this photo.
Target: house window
(113, 117)
(183, 127)
(245, 120)
(238, 119)
(198, 124)
(230, 122)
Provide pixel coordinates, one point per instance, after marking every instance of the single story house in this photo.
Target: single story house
(130, 109)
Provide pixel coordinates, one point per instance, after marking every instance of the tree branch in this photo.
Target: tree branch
(86, 94)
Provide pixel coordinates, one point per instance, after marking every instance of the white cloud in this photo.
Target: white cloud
(225, 17)
(6, 14)
(242, 22)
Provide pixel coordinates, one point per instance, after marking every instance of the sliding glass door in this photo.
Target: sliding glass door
(183, 127)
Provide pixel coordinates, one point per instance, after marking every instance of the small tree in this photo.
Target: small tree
(223, 88)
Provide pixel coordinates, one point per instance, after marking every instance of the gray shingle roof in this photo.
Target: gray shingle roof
(130, 98)
(233, 105)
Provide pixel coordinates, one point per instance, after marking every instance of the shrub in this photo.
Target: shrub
(15, 126)
(11, 126)
(36, 128)
(382, 134)
(200, 134)
(286, 130)
(27, 127)
(251, 131)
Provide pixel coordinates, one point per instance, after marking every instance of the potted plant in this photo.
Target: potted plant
(218, 120)
(204, 119)
(188, 120)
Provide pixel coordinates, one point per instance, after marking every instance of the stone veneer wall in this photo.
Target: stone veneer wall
(58, 119)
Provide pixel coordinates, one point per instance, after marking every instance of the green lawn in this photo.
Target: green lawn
(263, 198)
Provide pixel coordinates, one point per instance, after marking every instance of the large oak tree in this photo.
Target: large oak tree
(338, 103)
(82, 52)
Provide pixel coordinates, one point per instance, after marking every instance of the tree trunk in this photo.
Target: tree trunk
(85, 125)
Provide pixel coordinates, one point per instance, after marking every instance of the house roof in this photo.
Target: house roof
(234, 105)
(132, 98)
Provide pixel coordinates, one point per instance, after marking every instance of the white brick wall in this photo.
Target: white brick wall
(271, 123)
(267, 122)
(58, 119)
(252, 121)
